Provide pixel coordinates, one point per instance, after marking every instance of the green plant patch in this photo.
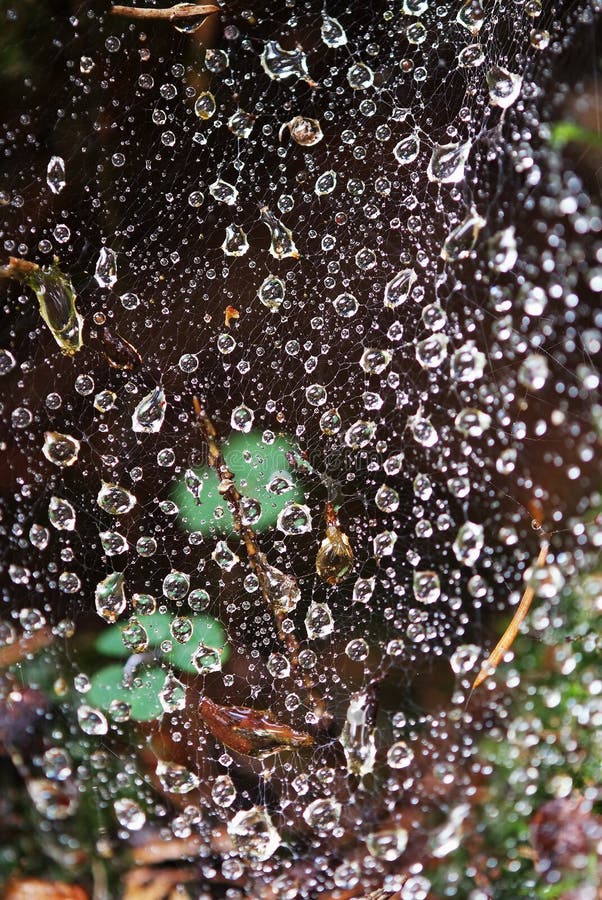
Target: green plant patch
(205, 630)
(142, 694)
(261, 471)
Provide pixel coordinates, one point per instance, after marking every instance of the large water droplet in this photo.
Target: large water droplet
(447, 163)
(176, 779)
(318, 621)
(60, 449)
(149, 415)
(55, 174)
(114, 499)
(281, 64)
(110, 597)
(504, 86)
(332, 32)
(398, 289)
(253, 834)
(106, 268)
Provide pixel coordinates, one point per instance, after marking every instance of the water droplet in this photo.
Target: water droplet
(55, 802)
(61, 514)
(56, 299)
(363, 590)
(332, 32)
(472, 422)
(318, 621)
(358, 734)
(135, 636)
(60, 449)
(427, 587)
(39, 536)
(253, 834)
(468, 363)
(241, 123)
(345, 305)
(224, 557)
(468, 543)
(432, 351)
(387, 845)
(176, 585)
(447, 163)
(398, 289)
(471, 56)
(55, 174)
(304, 131)
(204, 106)
(360, 76)
(325, 183)
(502, 250)
(282, 244)
(278, 665)
(400, 755)
(359, 434)
(294, 519)
(224, 192)
(114, 499)
(539, 38)
(235, 243)
(462, 239)
(149, 415)
(375, 361)
(387, 499)
(384, 544)
(110, 597)
(407, 150)
(423, 431)
(242, 418)
(173, 694)
(57, 764)
(335, 555)
(113, 543)
(128, 814)
(106, 268)
(281, 64)
(464, 658)
(223, 792)
(271, 292)
(471, 16)
(92, 721)
(105, 401)
(7, 362)
(533, 372)
(176, 779)
(282, 589)
(504, 86)
(323, 815)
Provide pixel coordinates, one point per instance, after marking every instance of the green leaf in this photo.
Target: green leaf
(253, 464)
(563, 133)
(204, 629)
(142, 696)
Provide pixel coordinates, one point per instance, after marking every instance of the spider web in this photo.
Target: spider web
(118, 106)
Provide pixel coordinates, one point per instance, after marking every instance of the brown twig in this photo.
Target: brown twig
(179, 11)
(233, 497)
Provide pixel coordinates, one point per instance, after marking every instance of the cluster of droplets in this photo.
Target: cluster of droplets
(331, 271)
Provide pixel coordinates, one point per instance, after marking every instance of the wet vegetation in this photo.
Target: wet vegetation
(300, 481)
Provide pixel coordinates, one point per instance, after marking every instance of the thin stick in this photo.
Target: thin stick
(227, 488)
(508, 637)
(179, 11)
